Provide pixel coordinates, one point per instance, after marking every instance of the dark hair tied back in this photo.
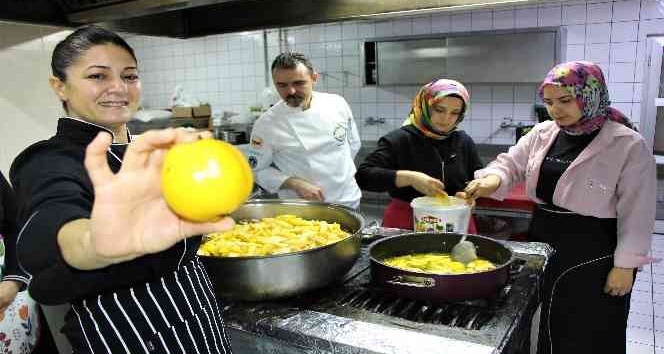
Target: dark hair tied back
(78, 42)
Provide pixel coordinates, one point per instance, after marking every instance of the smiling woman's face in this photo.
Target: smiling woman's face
(102, 86)
(562, 105)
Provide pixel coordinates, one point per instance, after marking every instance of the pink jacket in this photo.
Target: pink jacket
(613, 177)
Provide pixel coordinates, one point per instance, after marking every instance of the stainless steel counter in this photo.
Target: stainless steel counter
(322, 321)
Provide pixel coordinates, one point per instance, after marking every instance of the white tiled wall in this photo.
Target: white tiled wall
(29, 108)
(228, 70)
(645, 326)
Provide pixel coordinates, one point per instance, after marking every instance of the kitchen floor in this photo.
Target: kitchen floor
(645, 328)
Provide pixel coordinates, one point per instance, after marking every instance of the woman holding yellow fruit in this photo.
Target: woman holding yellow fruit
(96, 231)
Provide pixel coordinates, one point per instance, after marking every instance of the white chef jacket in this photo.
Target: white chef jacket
(318, 145)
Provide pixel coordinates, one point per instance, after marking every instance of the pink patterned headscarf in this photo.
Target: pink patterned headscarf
(584, 80)
(429, 95)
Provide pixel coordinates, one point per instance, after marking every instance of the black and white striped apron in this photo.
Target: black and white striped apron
(577, 316)
(177, 313)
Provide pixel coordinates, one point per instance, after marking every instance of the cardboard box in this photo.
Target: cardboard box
(181, 112)
(197, 123)
(202, 111)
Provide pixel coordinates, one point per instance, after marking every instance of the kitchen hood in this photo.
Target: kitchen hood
(194, 18)
(486, 57)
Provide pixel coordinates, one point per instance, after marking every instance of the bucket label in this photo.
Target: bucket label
(430, 223)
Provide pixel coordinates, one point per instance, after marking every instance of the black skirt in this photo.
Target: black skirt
(577, 316)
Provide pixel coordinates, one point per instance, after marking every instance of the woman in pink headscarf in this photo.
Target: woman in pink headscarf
(593, 178)
(408, 161)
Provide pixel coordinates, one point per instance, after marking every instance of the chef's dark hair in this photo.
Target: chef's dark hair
(290, 60)
(77, 43)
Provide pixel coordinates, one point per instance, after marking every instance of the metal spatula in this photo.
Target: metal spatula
(464, 251)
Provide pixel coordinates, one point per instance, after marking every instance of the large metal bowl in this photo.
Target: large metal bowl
(277, 276)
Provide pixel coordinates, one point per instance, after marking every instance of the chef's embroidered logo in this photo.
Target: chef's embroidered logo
(256, 143)
(253, 161)
(339, 133)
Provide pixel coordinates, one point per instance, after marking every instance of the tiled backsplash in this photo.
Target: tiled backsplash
(229, 70)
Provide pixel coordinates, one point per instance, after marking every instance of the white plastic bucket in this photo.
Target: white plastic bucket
(431, 215)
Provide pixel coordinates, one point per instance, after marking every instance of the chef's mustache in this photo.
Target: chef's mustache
(293, 97)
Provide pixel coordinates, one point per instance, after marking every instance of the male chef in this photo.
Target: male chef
(304, 145)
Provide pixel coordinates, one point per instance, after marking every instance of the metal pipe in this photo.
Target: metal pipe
(266, 65)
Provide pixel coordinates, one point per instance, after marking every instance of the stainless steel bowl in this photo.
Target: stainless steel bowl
(270, 277)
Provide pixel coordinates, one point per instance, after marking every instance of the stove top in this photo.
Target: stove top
(359, 294)
(352, 316)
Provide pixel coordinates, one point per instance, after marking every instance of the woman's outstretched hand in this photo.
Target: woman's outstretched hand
(481, 187)
(130, 217)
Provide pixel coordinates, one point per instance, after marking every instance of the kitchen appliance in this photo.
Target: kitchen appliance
(191, 18)
(542, 116)
(282, 275)
(232, 133)
(235, 137)
(541, 113)
(354, 316)
(522, 131)
(430, 57)
(438, 288)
